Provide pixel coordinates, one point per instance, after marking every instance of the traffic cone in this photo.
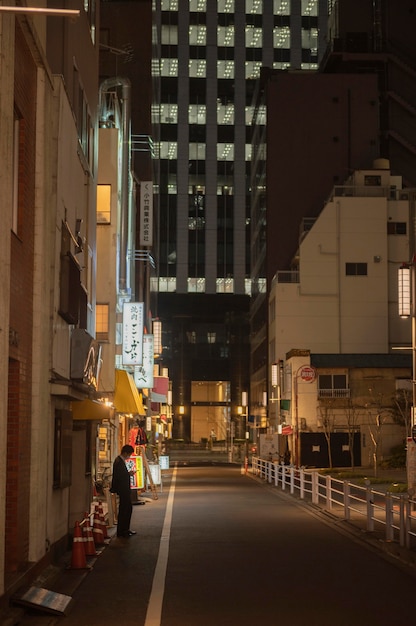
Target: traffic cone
(102, 520)
(97, 530)
(78, 560)
(89, 545)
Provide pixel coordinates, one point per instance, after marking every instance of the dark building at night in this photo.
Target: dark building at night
(360, 106)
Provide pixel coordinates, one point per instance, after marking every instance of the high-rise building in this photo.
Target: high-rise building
(211, 53)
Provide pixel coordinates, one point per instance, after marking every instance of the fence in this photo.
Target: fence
(391, 515)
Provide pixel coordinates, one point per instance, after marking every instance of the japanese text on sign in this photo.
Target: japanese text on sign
(133, 333)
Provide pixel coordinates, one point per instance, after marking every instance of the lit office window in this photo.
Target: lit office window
(253, 69)
(254, 37)
(281, 37)
(225, 69)
(169, 35)
(169, 5)
(172, 188)
(309, 7)
(248, 151)
(198, 35)
(196, 285)
(281, 65)
(169, 113)
(197, 68)
(225, 6)
(281, 7)
(168, 150)
(225, 36)
(163, 284)
(310, 40)
(260, 115)
(198, 6)
(225, 114)
(225, 151)
(225, 285)
(254, 6)
(197, 114)
(197, 151)
(168, 67)
(155, 67)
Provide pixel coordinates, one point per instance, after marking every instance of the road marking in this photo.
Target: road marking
(154, 610)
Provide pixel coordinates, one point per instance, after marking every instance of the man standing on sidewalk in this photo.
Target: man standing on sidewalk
(120, 484)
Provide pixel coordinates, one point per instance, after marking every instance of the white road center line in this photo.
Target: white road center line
(154, 610)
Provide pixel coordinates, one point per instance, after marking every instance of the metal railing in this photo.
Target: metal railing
(389, 514)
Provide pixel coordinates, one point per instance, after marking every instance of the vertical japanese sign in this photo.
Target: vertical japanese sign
(132, 333)
(143, 374)
(146, 213)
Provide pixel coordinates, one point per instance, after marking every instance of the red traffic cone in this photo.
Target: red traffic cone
(97, 531)
(89, 545)
(78, 560)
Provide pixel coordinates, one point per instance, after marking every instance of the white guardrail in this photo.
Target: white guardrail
(392, 514)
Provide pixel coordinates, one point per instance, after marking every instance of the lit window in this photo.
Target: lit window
(281, 37)
(197, 114)
(169, 67)
(281, 7)
(254, 37)
(225, 6)
(169, 113)
(225, 36)
(225, 114)
(169, 35)
(225, 151)
(103, 204)
(225, 69)
(197, 68)
(102, 322)
(198, 35)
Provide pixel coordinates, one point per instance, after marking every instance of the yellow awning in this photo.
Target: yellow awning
(91, 410)
(126, 397)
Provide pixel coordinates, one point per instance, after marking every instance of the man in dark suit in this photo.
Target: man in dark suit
(120, 484)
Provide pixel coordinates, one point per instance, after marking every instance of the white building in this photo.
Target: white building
(341, 299)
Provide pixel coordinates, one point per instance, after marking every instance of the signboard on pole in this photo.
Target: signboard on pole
(307, 374)
(137, 479)
(146, 213)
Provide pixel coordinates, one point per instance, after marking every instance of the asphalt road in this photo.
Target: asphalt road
(221, 549)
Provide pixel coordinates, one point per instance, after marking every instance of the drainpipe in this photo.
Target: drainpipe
(125, 192)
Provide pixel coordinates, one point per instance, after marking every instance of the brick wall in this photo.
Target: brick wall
(21, 310)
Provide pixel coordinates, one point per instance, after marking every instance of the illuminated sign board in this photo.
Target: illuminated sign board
(143, 374)
(146, 213)
(132, 333)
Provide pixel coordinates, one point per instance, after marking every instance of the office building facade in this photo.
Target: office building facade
(211, 53)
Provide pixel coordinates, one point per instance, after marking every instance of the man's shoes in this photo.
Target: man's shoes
(128, 533)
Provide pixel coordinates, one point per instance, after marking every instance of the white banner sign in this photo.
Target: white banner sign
(146, 213)
(143, 374)
(132, 333)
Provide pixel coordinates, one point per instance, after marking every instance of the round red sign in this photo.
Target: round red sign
(307, 374)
